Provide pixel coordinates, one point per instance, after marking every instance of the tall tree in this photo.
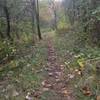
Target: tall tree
(8, 21)
(33, 15)
(54, 10)
(38, 20)
(3, 5)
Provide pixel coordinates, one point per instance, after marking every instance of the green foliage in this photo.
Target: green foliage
(87, 15)
(96, 13)
(7, 49)
(24, 72)
(2, 25)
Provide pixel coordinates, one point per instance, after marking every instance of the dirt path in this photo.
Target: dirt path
(55, 80)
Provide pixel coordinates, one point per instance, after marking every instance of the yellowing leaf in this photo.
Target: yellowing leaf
(81, 63)
(65, 92)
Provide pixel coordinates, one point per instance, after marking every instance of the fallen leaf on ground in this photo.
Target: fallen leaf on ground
(98, 97)
(57, 80)
(62, 65)
(28, 97)
(50, 74)
(46, 84)
(65, 92)
(71, 76)
(45, 89)
(58, 73)
(43, 83)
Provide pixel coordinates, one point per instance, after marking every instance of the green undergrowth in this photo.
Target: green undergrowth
(84, 58)
(20, 75)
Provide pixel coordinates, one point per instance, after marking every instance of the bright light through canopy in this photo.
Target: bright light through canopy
(58, 0)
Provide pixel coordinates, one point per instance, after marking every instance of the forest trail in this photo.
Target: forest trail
(55, 81)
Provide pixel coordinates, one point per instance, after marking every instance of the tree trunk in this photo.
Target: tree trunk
(38, 20)
(33, 14)
(8, 22)
(55, 19)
